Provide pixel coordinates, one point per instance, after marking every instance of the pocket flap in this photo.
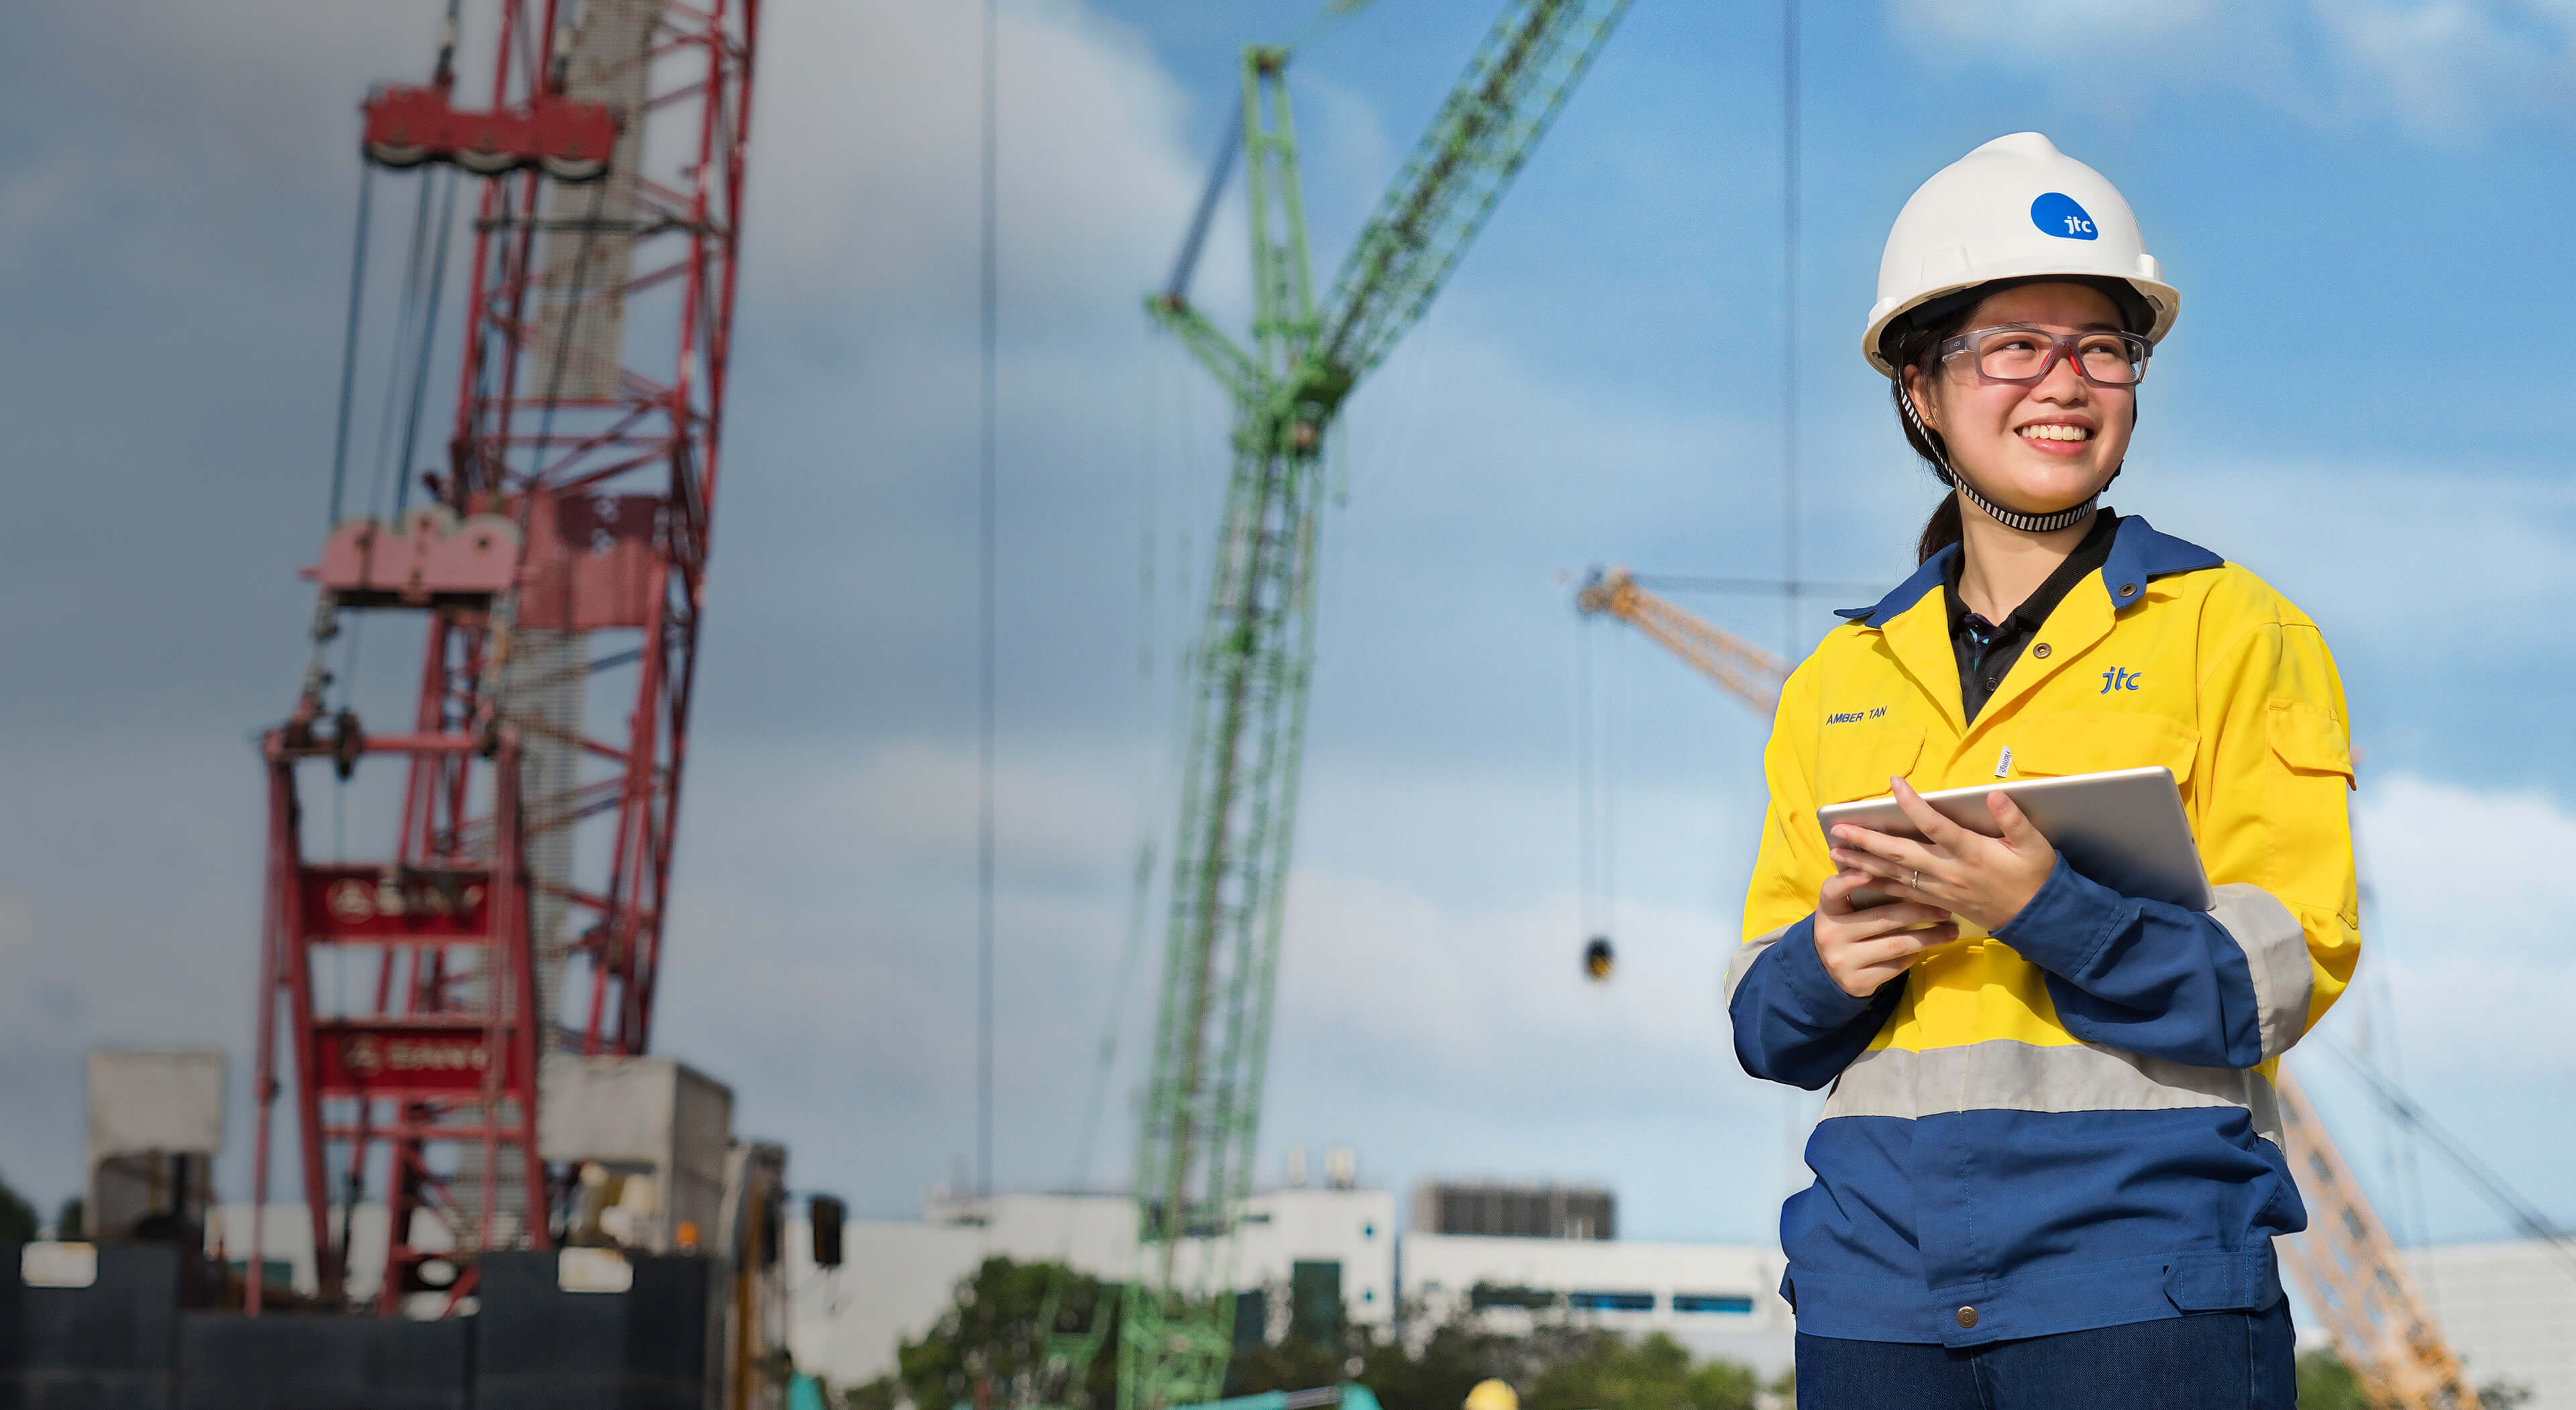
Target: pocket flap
(2083, 742)
(2245, 1281)
(2309, 739)
(1857, 763)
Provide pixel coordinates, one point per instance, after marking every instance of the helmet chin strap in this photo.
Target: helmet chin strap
(2026, 523)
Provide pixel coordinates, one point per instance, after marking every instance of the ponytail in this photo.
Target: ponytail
(1940, 531)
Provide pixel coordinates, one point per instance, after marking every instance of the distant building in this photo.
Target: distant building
(1515, 1211)
(1717, 1299)
(899, 1275)
(2509, 1309)
(1305, 1245)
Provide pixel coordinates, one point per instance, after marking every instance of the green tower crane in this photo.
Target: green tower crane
(1255, 649)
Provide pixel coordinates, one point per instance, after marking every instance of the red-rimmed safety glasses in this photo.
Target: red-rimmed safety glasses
(2021, 353)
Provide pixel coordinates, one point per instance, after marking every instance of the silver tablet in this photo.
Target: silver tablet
(2123, 828)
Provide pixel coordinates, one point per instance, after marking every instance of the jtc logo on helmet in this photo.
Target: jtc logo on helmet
(2057, 213)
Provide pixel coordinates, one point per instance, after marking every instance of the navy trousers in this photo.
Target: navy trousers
(2206, 1361)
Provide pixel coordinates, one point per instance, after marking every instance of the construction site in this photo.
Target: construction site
(1223, 733)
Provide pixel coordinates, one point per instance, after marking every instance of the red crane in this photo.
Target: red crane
(558, 560)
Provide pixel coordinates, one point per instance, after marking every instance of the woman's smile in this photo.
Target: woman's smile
(2056, 435)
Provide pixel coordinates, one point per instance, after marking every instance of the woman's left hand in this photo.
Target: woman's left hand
(1977, 878)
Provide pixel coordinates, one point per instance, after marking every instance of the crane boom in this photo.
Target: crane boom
(1253, 662)
(2344, 1263)
(1458, 171)
(2355, 1281)
(1739, 668)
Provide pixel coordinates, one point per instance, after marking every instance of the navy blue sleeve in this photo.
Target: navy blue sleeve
(2146, 977)
(1793, 1023)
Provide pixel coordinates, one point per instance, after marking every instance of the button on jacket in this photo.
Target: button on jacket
(2068, 1123)
(1986, 650)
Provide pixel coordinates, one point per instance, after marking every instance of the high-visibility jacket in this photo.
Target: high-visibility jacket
(2068, 1123)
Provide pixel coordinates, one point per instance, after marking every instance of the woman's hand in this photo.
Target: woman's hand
(1862, 950)
(1957, 872)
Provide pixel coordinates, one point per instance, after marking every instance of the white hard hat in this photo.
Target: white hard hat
(2015, 208)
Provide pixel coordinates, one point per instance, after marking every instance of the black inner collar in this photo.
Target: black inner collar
(1987, 650)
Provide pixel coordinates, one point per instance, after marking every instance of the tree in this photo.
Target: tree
(1656, 1373)
(2326, 1383)
(991, 1338)
(72, 1220)
(1433, 1372)
(1558, 1363)
(17, 1217)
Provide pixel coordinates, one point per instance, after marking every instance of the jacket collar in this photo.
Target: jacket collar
(2139, 555)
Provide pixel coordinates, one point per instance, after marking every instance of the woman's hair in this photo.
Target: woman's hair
(1911, 341)
(1911, 344)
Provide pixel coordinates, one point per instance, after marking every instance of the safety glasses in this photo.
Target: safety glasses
(2020, 353)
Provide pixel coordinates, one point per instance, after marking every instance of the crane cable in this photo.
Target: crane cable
(437, 300)
(349, 340)
(1151, 741)
(1584, 920)
(409, 316)
(415, 328)
(987, 593)
(1790, 102)
(2524, 1215)
(327, 624)
(1597, 713)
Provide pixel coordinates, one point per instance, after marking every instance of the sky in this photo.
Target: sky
(2361, 200)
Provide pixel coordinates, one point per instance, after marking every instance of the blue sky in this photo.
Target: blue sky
(2361, 201)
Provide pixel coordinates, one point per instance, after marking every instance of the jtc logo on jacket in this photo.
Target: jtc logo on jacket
(2069, 1123)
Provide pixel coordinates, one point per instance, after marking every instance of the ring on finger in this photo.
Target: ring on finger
(1917, 882)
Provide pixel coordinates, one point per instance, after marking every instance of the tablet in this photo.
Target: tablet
(2123, 828)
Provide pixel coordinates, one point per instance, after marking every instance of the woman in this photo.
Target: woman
(2050, 1169)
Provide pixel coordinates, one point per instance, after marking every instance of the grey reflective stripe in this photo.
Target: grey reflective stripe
(2276, 950)
(1745, 955)
(2002, 1075)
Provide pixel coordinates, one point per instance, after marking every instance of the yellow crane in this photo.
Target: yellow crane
(2345, 1263)
(1740, 668)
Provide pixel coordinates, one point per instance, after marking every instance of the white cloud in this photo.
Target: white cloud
(2469, 923)
(2442, 68)
(870, 129)
(2457, 553)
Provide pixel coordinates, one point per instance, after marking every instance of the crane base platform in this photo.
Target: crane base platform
(139, 1336)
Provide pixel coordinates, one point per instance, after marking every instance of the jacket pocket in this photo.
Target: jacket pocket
(2309, 740)
(2082, 742)
(2307, 838)
(1857, 763)
(2245, 1281)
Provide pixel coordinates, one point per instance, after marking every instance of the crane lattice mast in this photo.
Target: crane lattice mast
(1256, 644)
(2345, 1263)
(557, 555)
